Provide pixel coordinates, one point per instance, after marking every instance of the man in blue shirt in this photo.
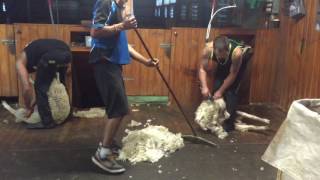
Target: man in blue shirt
(110, 51)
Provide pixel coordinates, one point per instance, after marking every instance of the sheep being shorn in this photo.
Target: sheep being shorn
(210, 115)
(58, 102)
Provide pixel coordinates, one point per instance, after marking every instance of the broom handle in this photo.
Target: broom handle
(166, 83)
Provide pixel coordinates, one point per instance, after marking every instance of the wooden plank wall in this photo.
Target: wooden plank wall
(287, 65)
(187, 47)
(8, 78)
(300, 59)
(264, 65)
(141, 80)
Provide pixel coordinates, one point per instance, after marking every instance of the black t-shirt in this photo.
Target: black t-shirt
(36, 50)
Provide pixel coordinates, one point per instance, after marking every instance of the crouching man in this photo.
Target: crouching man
(46, 57)
(227, 59)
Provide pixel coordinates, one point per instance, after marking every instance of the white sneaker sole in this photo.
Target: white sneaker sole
(112, 171)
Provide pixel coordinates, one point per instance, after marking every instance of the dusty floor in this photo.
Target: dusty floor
(64, 153)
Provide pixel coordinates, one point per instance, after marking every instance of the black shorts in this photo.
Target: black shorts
(110, 83)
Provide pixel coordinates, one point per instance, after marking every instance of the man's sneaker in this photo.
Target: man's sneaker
(108, 163)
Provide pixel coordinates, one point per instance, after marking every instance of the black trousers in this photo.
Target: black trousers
(231, 94)
(44, 77)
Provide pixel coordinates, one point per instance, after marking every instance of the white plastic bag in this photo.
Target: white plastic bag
(295, 150)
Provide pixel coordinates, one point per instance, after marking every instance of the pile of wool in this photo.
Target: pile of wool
(58, 102)
(149, 144)
(91, 113)
(210, 115)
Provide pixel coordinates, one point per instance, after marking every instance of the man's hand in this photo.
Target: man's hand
(152, 62)
(29, 112)
(27, 96)
(205, 92)
(217, 95)
(129, 23)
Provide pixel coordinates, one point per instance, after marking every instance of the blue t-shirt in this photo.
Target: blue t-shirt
(113, 48)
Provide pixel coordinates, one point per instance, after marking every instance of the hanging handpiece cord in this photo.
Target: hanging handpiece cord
(213, 15)
(50, 11)
(57, 11)
(210, 21)
(56, 26)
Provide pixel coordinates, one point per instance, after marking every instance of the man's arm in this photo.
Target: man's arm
(203, 71)
(24, 77)
(100, 29)
(234, 70)
(110, 30)
(141, 59)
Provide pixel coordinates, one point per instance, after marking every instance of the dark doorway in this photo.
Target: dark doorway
(84, 92)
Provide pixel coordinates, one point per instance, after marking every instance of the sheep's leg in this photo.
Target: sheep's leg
(245, 127)
(19, 116)
(253, 117)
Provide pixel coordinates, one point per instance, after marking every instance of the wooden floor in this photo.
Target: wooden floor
(64, 152)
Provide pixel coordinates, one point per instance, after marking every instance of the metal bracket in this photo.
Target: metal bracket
(167, 48)
(11, 45)
(128, 79)
(8, 42)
